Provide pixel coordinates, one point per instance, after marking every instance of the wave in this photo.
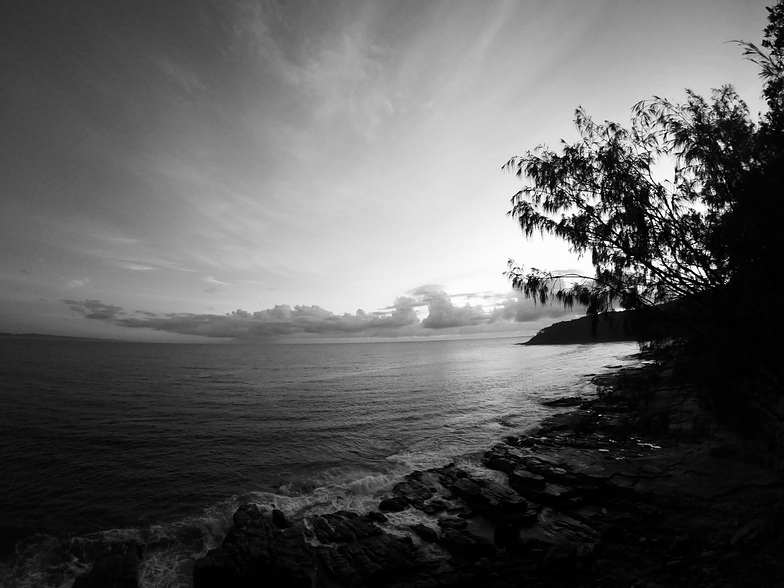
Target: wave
(170, 550)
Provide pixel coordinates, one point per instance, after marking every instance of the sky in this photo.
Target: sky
(310, 169)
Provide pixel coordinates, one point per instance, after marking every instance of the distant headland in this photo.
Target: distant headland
(603, 328)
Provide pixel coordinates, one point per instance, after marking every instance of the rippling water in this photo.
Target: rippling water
(107, 441)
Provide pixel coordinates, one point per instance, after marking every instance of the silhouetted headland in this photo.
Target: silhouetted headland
(604, 328)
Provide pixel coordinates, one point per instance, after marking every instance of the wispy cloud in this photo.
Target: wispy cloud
(139, 267)
(336, 75)
(95, 309)
(398, 319)
(75, 283)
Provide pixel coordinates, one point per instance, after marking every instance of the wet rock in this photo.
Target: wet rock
(425, 533)
(555, 494)
(279, 519)
(343, 526)
(489, 497)
(377, 517)
(434, 506)
(523, 480)
(452, 523)
(334, 563)
(417, 488)
(465, 544)
(502, 463)
(395, 504)
(256, 552)
(395, 556)
(117, 568)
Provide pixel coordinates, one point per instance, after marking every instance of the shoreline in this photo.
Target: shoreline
(637, 486)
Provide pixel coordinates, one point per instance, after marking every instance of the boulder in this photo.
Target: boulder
(256, 552)
(415, 490)
(395, 504)
(377, 517)
(425, 533)
(279, 519)
(452, 523)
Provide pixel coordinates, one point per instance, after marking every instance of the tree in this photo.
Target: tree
(681, 214)
(650, 241)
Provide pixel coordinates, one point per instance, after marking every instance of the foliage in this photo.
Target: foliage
(653, 240)
(680, 213)
(649, 241)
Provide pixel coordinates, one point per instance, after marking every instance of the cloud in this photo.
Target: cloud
(77, 282)
(95, 309)
(521, 310)
(139, 267)
(242, 324)
(495, 312)
(443, 314)
(336, 74)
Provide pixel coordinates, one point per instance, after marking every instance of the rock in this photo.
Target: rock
(376, 516)
(452, 523)
(560, 555)
(505, 533)
(256, 552)
(380, 557)
(489, 497)
(117, 568)
(556, 494)
(343, 526)
(245, 514)
(279, 519)
(502, 463)
(438, 505)
(425, 533)
(395, 504)
(521, 480)
(129, 577)
(416, 489)
(466, 544)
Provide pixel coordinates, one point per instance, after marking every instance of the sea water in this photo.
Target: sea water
(108, 442)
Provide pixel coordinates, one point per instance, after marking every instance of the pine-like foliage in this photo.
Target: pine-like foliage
(681, 213)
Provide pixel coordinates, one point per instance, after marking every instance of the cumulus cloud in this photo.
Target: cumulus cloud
(520, 310)
(444, 314)
(241, 324)
(491, 312)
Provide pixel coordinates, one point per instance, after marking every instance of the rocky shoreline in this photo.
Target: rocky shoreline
(638, 486)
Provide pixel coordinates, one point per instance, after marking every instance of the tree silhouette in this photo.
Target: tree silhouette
(681, 214)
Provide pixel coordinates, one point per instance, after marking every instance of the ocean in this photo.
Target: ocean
(104, 442)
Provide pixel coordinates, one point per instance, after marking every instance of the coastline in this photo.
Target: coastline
(637, 486)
